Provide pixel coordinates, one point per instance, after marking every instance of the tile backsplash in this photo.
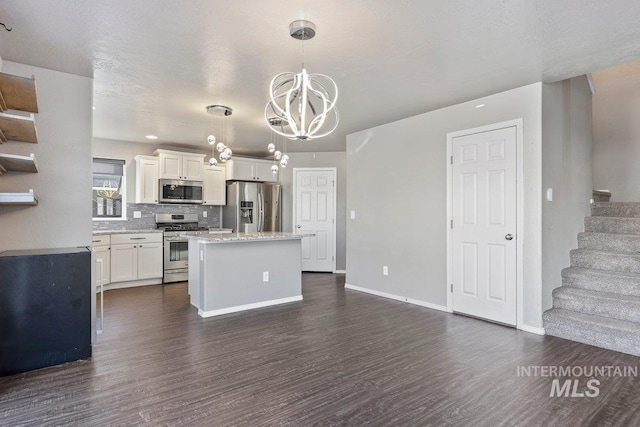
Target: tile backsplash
(148, 220)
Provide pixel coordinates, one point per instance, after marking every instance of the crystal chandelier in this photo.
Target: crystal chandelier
(219, 145)
(304, 102)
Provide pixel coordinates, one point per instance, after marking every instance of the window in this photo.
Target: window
(109, 198)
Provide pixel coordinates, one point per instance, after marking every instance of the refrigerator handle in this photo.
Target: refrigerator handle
(260, 214)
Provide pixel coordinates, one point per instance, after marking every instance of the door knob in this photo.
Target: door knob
(509, 237)
(299, 226)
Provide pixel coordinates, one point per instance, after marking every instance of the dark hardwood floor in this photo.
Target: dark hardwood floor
(340, 357)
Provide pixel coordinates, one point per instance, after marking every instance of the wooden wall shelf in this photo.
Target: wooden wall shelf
(15, 163)
(18, 199)
(18, 93)
(18, 128)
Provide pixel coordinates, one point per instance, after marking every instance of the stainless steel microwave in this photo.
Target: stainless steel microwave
(179, 191)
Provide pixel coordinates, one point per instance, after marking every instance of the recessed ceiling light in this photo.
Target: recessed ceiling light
(479, 105)
(151, 137)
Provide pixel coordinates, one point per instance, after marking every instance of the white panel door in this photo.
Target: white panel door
(315, 213)
(484, 225)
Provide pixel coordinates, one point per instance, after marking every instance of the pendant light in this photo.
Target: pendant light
(218, 144)
(306, 103)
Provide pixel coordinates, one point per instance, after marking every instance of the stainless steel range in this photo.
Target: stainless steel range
(176, 245)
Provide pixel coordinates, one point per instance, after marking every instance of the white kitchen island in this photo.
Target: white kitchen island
(238, 271)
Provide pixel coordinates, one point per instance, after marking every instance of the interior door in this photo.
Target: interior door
(315, 213)
(484, 225)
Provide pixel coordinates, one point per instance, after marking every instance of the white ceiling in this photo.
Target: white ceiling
(158, 63)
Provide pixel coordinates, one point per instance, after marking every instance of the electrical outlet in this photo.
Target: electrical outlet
(137, 214)
(265, 276)
(204, 214)
(385, 270)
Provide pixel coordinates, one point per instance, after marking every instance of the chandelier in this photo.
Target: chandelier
(304, 102)
(219, 145)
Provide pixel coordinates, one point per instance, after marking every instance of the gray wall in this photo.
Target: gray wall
(567, 169)
(336, 160)
(396, 183)
(616, 137)
(63, 154)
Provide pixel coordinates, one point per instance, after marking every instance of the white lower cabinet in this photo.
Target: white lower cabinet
(101, 246)
(150, 261)
(136, 257)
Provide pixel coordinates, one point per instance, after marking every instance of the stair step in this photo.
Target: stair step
(605, 304)
(608, 261)
(594, 330)
(609, 242)
(610, 224)
(603, 281)
(616, 209)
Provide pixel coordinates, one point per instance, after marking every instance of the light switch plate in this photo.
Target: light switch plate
(204, 214)
(549, 194)
(265, 276)
(137, 214)
(353, 214)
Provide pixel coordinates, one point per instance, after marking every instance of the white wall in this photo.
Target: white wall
(616, 137)
(396, 183)
(567, 169)
(63, 183)
(336, 160)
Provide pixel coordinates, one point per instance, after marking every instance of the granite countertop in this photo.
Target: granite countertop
(105, 232)
(249, 237)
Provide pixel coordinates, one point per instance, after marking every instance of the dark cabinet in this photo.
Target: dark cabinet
(45, 308)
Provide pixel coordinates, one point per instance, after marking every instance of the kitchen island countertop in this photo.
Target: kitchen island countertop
(248, 237)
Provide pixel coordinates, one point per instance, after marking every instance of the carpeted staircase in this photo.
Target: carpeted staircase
(599, 300)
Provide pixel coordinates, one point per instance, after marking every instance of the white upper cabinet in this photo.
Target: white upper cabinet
(147, 172)
(214, 186)
(177, 165)
(244, 169)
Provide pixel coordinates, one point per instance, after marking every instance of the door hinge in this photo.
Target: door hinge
(452, 287)
(451, 159)
(332, 259)
(451, 223)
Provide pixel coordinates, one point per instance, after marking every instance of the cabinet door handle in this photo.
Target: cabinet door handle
(137, 238)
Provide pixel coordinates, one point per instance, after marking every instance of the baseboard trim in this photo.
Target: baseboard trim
(397, 298)
(340, 272)
(532, 329)
(245, 307)
(131, 284)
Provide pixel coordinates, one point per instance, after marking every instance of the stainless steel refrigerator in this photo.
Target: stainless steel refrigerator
(253, 207)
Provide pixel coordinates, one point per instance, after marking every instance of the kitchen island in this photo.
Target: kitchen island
(241, 271)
